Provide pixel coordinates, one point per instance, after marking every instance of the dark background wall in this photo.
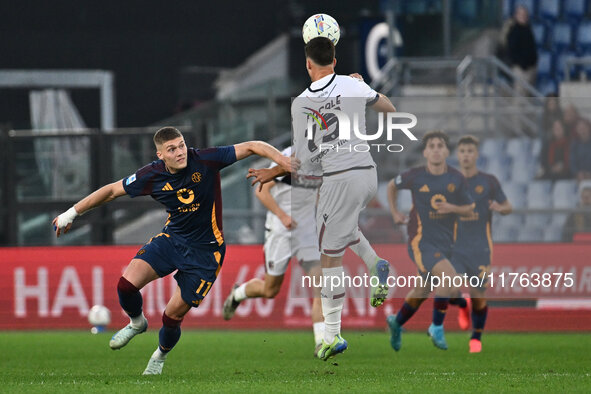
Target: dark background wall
(146, 43)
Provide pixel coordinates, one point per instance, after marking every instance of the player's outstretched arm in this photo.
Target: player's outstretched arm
(263, 149)
(265, 197)
(383, 104)
(264, 175)
(107, 193)
(399, 218)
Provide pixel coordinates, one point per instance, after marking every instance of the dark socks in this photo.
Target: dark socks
(460, 301)
(130, 297)
(478, 321)
(439, 310)
(405, 313)
(169, 333)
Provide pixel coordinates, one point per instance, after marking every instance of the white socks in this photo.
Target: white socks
(158, 355)
(318, 332)
(333, 299)
(240, 293)
(364, 250)
(138, 321)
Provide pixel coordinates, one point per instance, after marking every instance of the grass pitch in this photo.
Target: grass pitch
(232, 361)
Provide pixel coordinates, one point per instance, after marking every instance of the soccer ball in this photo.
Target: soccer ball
(321, 25)
(99, 315)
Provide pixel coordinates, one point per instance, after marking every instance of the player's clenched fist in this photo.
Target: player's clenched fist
(63, 222)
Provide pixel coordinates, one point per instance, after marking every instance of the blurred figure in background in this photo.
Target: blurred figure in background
(579, 222)
(552, 112)
(555, 153)
(570, 117)
(580, 151)
(521, 49)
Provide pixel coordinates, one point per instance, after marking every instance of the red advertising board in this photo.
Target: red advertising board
(54, 287)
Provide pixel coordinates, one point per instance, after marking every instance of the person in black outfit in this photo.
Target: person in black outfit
(521, 49)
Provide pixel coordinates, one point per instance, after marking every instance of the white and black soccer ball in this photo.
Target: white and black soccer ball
(99, 316)
(321, 25)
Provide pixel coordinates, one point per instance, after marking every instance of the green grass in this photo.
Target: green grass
(232, 361)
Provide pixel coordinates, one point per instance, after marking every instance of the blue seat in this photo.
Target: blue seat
(492, 148)
(562, 35)
(507, 9)
(545, 64)
(516, 194)
(565, 194)
(583, 37)
(547, 85)
(539, 30)
(549, 9)
(573, 70)
(575, 10)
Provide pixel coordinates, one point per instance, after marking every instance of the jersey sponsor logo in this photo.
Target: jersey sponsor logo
(437, 198)
(424, 189)
(186, 196)
(196, 177)
(479, 189)
(167, 187)
(130, 179)
(451, 187)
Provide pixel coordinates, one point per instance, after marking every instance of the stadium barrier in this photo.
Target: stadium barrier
(54, 287)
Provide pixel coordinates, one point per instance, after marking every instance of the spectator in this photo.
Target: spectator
(552, 112)
(580, 151)
(579, 222)
(570, 117)
(521, 49)
(556, 153)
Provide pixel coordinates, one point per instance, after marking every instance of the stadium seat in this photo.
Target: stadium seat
(530, 234)
(583, 37)
(523, 169)
(518, 147)
(501, 168)
(547, 85)
(536, 149)
(575, 10)
(558, 219)
(492, 148)
(561, 37)
(552, 234)
(565, 194)
(516, 194)
(545, 64)
(507, 9)
(549, 9)
(539, 30)
(561, 69)
(539, 196)
(503, 233)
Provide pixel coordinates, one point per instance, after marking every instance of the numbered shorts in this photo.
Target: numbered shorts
(473, 264)
(426, 256)
(280, 246)
(341, 199)
(198, 267)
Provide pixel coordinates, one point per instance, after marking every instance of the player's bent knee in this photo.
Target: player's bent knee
(171, 321)
(125, 286)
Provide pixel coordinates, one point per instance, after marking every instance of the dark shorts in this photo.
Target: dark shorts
(425, 256)
(472, 263)
(198, 267)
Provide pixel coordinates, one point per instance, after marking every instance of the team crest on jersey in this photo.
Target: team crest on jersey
(451, 188)
(479, 189)
(424, 189)
(196, 177)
